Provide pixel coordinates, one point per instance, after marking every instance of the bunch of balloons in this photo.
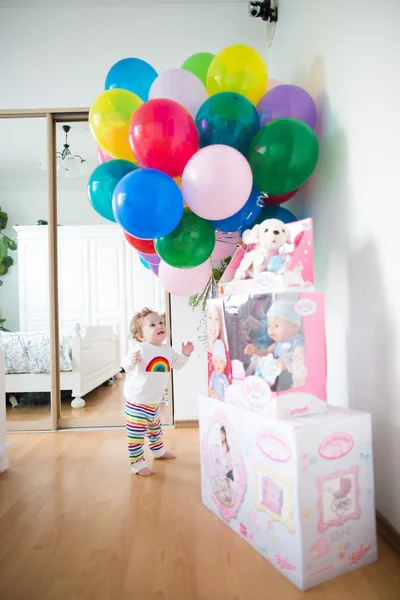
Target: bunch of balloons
(189, 157)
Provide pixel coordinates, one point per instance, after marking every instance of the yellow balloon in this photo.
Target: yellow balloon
(109, 118)
(241, 69)
(178, 181)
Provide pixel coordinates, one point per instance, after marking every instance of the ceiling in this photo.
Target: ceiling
(146, 3)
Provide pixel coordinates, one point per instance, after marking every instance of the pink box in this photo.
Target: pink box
(266, 353)
(297, 266)
(299, 491)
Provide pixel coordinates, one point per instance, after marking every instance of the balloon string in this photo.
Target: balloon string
(225, 242)
(261, 198)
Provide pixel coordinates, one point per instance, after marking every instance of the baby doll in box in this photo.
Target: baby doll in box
(282, 361)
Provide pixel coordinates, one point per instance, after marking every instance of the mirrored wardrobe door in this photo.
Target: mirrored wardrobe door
(24, 272)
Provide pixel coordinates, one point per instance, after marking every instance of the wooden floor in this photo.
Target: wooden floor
(75, 524)
(105, 402)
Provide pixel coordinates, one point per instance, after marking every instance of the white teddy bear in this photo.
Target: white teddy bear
(270, 236)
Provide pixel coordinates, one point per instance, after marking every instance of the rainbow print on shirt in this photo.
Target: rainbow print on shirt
(158, 364)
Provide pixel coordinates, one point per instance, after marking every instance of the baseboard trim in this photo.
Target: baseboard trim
(388, 533)
(187, 424)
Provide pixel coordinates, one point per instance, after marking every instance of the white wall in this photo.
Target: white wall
(60, 57)
(347, 56)
(192, 380)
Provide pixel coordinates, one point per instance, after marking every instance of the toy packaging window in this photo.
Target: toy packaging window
(275, 258)
(273, 345)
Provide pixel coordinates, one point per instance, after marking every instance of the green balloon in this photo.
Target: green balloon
(198, 65)
(189, 245)
(282, 156)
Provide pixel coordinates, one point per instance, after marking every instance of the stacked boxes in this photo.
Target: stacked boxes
(289, 474)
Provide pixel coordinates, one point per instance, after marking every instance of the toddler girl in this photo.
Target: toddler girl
(147, 370)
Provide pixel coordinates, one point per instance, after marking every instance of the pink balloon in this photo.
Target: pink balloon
(273, 83)
(102, 157)
(181, 86)
(216, 182)
(184, 282)
(225, 245)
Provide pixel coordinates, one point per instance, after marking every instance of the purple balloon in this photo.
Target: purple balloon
(152, 259)
(154, 269)
(287, 101)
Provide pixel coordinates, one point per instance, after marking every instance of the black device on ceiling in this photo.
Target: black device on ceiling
(263, 10)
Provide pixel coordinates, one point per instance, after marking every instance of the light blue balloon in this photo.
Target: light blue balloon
(131, 74)
(147, 204)
(103, 182)
(144, 263)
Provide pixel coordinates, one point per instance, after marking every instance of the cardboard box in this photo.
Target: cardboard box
(296, 272)
(267, 353)
(300, 491)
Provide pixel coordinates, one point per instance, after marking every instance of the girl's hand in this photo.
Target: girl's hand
(187, 348)
(250, 350)
(136, 357)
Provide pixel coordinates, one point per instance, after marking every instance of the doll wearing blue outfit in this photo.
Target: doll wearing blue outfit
(259, 331)
(284, 328)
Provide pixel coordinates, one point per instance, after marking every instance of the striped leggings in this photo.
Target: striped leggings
(141, 419)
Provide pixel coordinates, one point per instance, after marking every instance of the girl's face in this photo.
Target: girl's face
(223, 437)
(153, 329)
(213, 324)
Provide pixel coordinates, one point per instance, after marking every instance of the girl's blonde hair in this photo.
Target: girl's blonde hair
(137, 320)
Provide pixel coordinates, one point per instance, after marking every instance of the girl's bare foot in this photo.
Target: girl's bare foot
(166, 455)
(145, 472)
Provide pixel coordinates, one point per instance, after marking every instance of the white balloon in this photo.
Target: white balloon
(182, 87)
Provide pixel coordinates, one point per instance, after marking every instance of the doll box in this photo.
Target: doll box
(299, 491)
(267, 354)
(297, 272)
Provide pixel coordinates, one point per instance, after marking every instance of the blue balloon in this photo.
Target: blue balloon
(103, 182)
(147, 204)
(228, 118)
(132, 74)
(144, 263)
(275, 212)
(243, 218)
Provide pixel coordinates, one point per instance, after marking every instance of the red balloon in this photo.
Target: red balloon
(274, 200)
(163, 136)
(145, 246)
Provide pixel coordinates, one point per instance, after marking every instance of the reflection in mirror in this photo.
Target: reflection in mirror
(24, 291)
(101, 284)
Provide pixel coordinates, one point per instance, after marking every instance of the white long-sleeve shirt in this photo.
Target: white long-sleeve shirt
(145, 381)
